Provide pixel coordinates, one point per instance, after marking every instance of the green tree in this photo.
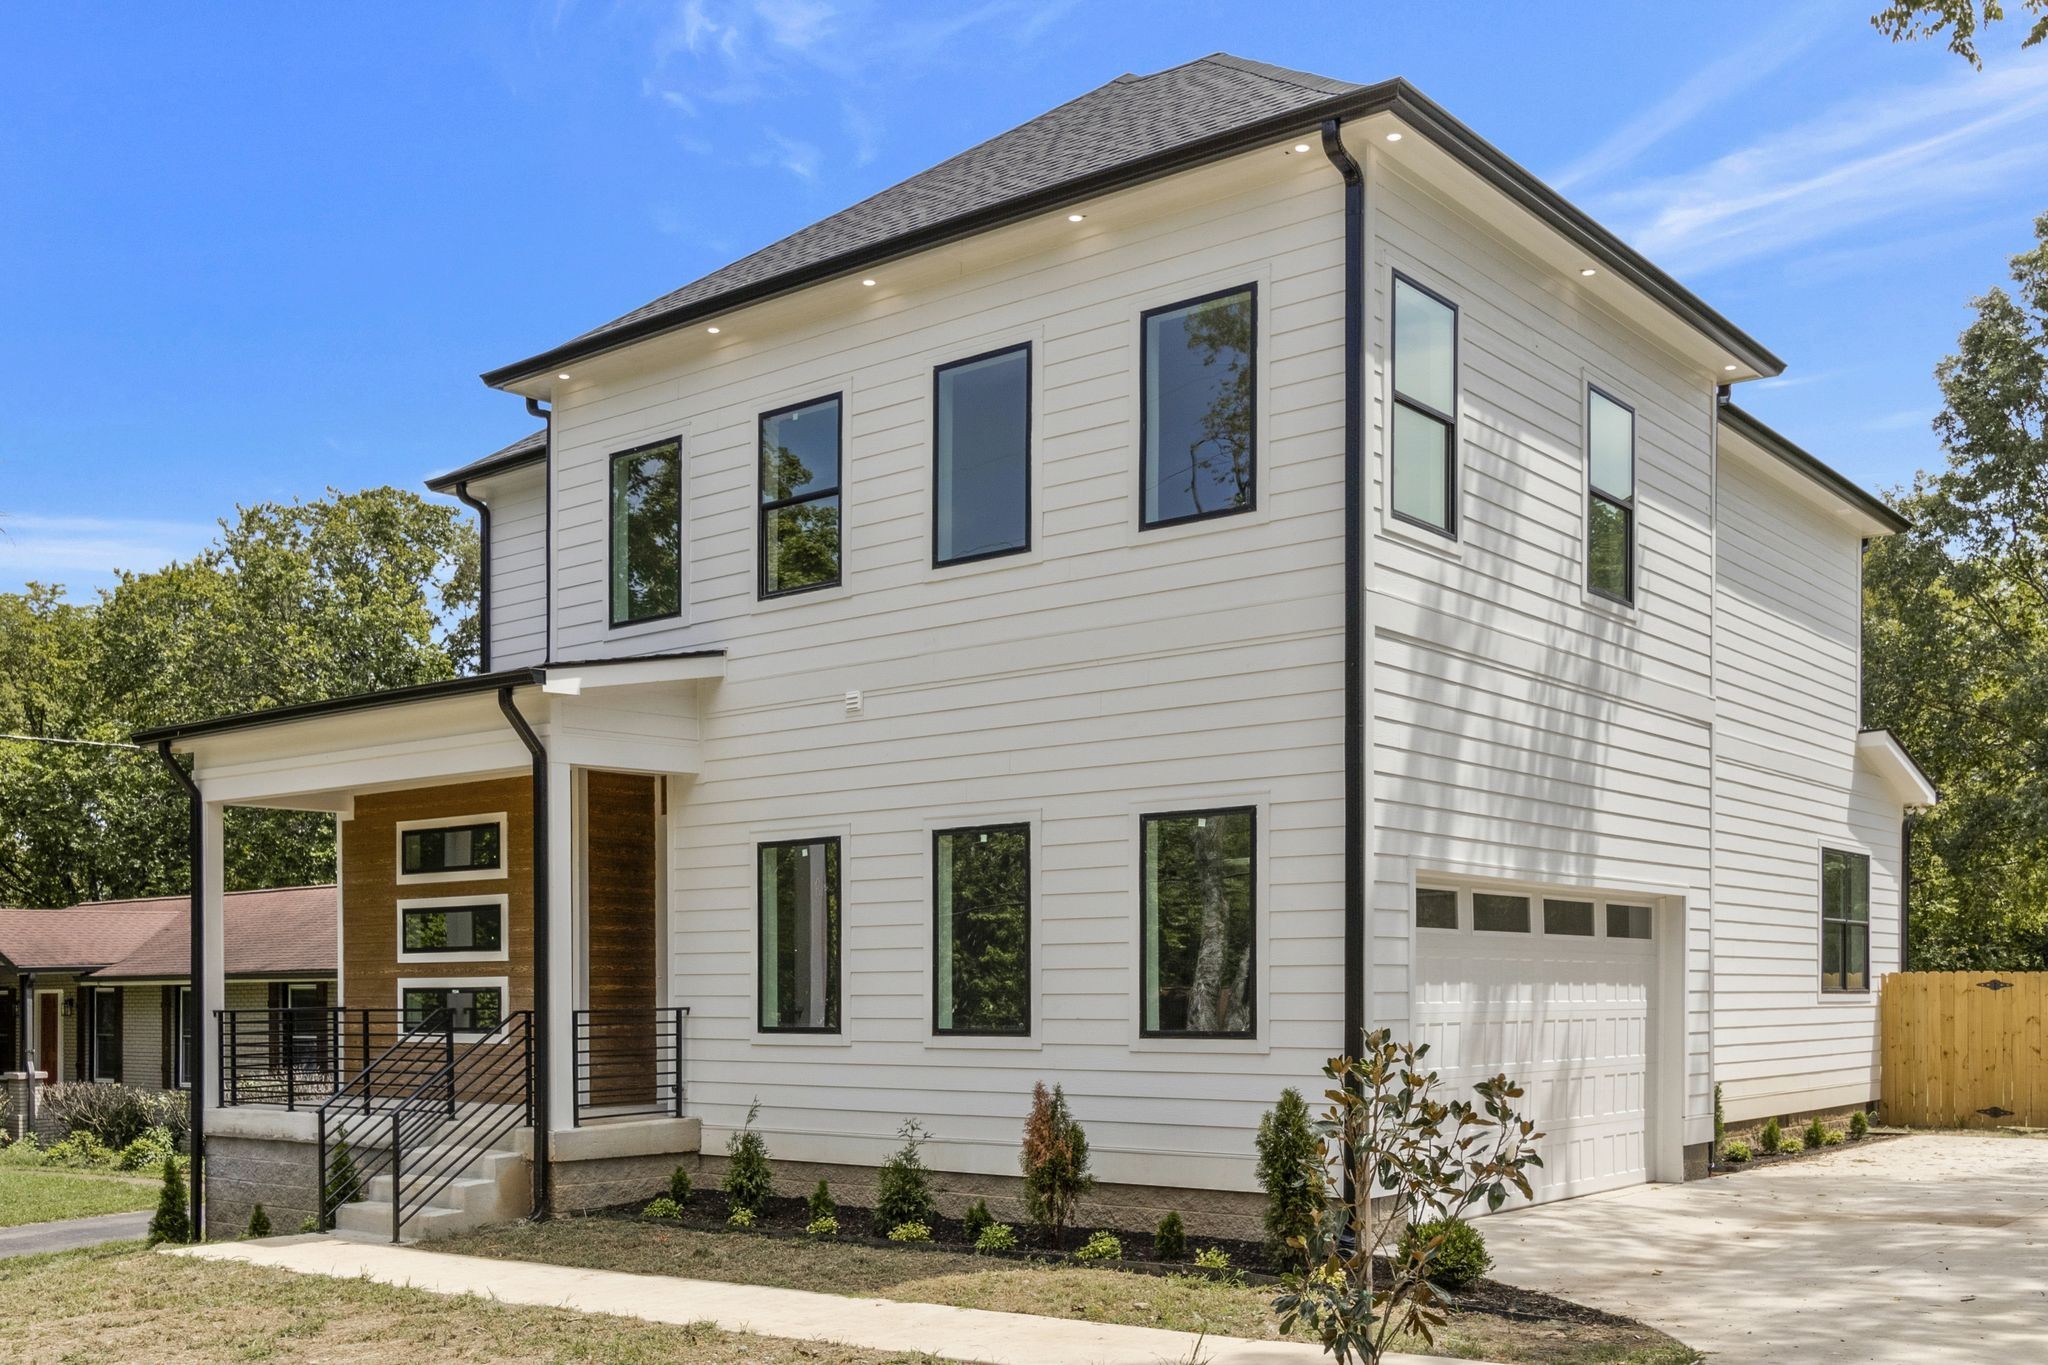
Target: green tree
(1291, 1173)
(1904, 20)
(172, 1221)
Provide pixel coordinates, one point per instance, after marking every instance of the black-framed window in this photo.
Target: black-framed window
(106, 1033)
(1198, 924)
(1424, 474)
(452, 848)
(471, 1009)
(981, 483)
(800, 462)
(1844, 921)
(799, 936)
(1436, 907)
(1198, 411)
(981, 930)
(478, 928)
(1610, 496)
(305, 1020)
(647, 533)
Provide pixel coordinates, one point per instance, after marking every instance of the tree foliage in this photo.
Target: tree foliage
(1956, 640)
(1054, 1160)
(1291, 1173)
(295, 602)
(1905, 20)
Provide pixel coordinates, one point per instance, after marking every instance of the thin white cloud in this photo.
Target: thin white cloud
(865, 130)
(799, 24)
(1903, 420)
(799, 158)
(85, 552)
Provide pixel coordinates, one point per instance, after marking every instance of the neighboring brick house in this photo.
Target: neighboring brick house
(90, 993)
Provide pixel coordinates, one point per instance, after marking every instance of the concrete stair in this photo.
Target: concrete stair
(494, 1186)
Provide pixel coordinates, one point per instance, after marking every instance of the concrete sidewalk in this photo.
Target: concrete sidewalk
(72, 1233)
(967, 1334)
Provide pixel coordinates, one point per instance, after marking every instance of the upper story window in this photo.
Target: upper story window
(981, 930)
(799, 936)
(1844, 921)
(448, 851)
(1610, 496)
(1197, 412)
(1197, 924)
(800, 497)
(647, 533)
(981, 494)
(1425, 436)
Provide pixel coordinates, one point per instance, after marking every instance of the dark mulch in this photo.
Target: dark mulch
(1797, 1152)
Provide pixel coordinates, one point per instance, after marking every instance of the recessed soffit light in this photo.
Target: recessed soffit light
(712, 330)
(1077, 217)
(1588, 271)
(1301, 146)
(1393, 137)
(869, 283)
(563, 375)
(1729, 368)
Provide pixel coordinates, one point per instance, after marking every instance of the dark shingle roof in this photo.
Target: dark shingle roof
(529, 449)
(82, 936)
(280, 931)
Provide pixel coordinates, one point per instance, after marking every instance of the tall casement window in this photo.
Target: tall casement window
(1844, 921)
(1610, 496)
(1198, 413)
(981, 930)
(106, 1034)
(1425, 437)
(800, 497)
(981, 495)
(1197, 924)
(800, 936)
(647, 533)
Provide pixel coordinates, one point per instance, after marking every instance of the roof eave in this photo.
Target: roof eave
(1747, 425)
(1396, 97)
(484, 469)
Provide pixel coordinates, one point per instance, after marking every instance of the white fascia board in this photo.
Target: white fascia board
(1881, 751)
(576, 679)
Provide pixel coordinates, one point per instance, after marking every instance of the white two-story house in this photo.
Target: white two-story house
(1231, 563)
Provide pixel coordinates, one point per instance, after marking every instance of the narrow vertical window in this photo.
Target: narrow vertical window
(981, 928)
(1610, 496)
(1844, 921)
(981, 494)
(1197, 414)
(1197, 924)
(799, 932)
(800, 497)
(647, 533)
(106, 1034)
(1425, 435)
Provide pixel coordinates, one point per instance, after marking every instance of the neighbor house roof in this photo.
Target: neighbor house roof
(1134, 129)
(81, 937)
(528, 449)
(1830, 479)
(282, 931)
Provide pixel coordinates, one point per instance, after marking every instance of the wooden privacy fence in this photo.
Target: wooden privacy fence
(1965, 1049)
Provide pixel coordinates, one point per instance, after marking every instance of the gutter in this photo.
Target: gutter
(543, 972)
(195, 1062)
(483, 573)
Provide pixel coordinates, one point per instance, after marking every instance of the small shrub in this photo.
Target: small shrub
(148, 1152)
(910, 1232)
(1720, 1117)
(23, 1151)
(1771, 1138)
(1213, 1258)
(825, 1225)
(172, 1221)
(259, 1223)
(679, 1186)
(1100, 1246)
(821, 1204)
(1054, 1160)
(81, 1151)
(996, 1237)
(1291, 1173)
(661, 1206)
(309, 1224)
(903, 1187)
(1859, 1126)
(1816, 1134)
(1170, 1241)
(1735, 1151)
(1831, 1138)
(749, 1178)
(114, 1114)
(740, 1218)
(344, 1183)
(1450, 1251)
(977, 1219)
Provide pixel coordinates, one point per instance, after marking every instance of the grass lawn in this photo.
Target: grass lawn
(32, 1195)
(121, 1303)
(1183, 1303)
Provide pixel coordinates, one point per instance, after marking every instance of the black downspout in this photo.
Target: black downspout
(547, 529)
(1354, 586)
(195, 1058)
(1912, 818)
(543, 1114)
(483, 574)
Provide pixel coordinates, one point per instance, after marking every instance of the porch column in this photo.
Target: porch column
(209, 982)
(565, 969)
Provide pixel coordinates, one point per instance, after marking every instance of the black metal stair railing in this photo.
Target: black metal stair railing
(479, 1098)
(628, 1063)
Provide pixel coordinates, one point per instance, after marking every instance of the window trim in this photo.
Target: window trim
(613, 620)
(1454, 460)
(1030, 904)
(501, 984)
(1251, 974)
(1030, 472)
(1251, 503)
(761, 942)
(762, 508)
(1627, 505)
(488, 874)
(501, 901)
(98, 997)
(1844, 991)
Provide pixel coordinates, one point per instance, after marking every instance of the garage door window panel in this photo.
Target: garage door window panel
(1494, 914)
(1436, 907)
(1570, 918)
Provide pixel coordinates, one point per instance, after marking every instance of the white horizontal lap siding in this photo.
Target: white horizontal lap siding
(1518, 729)
(1788, 783)
(1107, 673)
(518, 551)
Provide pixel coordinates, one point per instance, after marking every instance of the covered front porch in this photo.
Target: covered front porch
(503, 854)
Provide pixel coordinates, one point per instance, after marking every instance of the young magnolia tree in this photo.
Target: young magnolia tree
(1394, 1154)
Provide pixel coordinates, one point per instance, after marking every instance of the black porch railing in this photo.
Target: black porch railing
(628, 1063)
(300, 1056)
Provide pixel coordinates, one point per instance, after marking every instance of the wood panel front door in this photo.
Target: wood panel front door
(50, 1035)
(620, 1056)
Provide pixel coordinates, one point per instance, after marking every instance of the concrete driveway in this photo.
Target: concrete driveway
(1930, 1248)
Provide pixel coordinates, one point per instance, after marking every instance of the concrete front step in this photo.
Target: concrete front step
(494, 1187)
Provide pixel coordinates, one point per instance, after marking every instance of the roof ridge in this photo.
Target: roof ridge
(1281, 75)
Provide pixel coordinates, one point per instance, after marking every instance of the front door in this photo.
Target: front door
(621, 1047)
(50, 1034)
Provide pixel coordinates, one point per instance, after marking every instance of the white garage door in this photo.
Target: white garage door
(1554, 991)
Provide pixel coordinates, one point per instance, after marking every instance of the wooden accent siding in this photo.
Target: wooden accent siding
(624, 843)
(370, 890)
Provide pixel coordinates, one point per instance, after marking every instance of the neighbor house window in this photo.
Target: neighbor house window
(799, 925)
(981, 930)
(1500, 914)
(439, 850)
(1435, 908)
(181, 1034)
(305, 1005)
(1610, 496)
(800, 497)
(1197, 414)
(106, 1035)
(455, 929)
(1425, 435)
(1198, 923)
(647, 533)
(1844, 921)
(464, 1009)
(981, 494)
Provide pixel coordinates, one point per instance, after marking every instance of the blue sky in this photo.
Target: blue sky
(250, 251)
